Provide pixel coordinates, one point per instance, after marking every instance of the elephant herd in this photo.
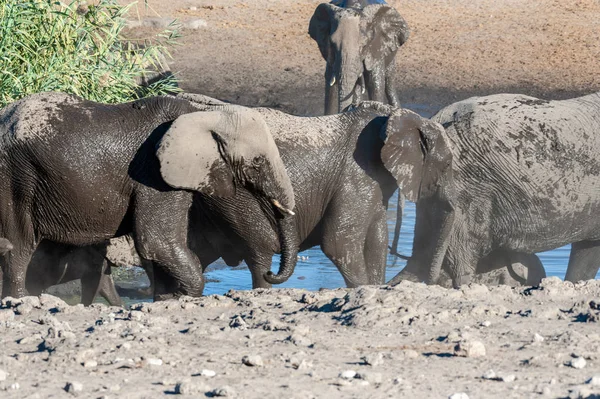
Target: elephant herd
(191, 179)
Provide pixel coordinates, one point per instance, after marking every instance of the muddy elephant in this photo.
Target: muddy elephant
(337, 165)
(523, 177)
(358, 40)
(76, 172)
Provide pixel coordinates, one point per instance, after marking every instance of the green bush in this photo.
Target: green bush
(76, 48)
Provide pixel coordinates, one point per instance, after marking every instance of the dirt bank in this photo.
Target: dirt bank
(259, 53)
(408, 341)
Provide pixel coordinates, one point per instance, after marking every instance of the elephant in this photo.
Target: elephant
(77, 173)
(358, 40)
(523, 176)
(337, 167)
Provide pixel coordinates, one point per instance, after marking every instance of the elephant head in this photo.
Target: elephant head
(418, 153)
(214, 151)
(5, 246)
(353, 39)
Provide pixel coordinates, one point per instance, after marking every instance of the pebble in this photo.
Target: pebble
(348, 374)
(188, 388)
(74, 387)
(577, 363)
(195, 24)
(538, 338)
(3, 375)
(208, 373)
(470, 349)
(486, 323)
(373, 359)
(595, 380)
(459, 395)
(23, 309)
(154, 362)
(253, 361)
(15, 386)
(90, 364)
(508, 378)
(489, 375)
(225, 391)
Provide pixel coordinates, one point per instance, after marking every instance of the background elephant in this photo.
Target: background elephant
(78, 172)
(342, 191)
(525, 178)
(359, 41)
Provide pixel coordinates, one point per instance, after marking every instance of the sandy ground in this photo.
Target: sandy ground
(408, 341)
(373, 342)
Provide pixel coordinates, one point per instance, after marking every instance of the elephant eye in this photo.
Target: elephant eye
(258, 161)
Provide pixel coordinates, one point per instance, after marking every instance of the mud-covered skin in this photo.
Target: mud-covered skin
(78, 173)
(359, 41)
(342, 190)
(527, 180)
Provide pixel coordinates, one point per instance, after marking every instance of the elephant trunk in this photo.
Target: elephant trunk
(289, 244)
(349, 71)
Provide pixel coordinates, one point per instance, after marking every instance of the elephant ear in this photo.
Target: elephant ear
(384, 31)
(192, 153)
(319, 27)
(417, 153)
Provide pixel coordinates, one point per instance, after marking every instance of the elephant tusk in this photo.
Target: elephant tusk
(332, 82)
(282, 208)
(362, 90)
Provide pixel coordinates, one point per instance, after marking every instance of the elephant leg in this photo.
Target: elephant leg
(390, 87)
(149, 269)
(584, 261)
(160, 233)
(346, 253)
(259, 264)
(375, 82)
(375, 250)
(14, 268)
(533, 264)
(108, 291)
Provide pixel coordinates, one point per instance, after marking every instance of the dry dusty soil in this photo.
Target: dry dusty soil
(408, 341)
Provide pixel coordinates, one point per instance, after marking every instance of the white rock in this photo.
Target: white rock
(223, 391)
(3, 375)
(373, 359)
(74, 387)
(486, 323)
(15, 386)
(208, 373)
(459, 395)
(253, 361)
(508, 378)
(348, 374)
(489, 375)
(90, 364)
(470, 349)
(154, 362)
(577, 363)
(595, 380)
(538, 338)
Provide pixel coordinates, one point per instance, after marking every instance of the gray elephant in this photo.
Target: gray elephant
(358, 39)
(77, 173)
(342, 188)
(522, 176)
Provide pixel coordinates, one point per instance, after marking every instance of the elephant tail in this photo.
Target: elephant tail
(399, 212)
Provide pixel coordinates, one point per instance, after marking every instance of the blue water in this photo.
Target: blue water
(314, 270)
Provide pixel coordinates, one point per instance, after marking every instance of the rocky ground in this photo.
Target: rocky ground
(407, 341)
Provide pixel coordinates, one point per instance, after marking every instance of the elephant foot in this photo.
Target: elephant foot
(465, 279)
(404, 275)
